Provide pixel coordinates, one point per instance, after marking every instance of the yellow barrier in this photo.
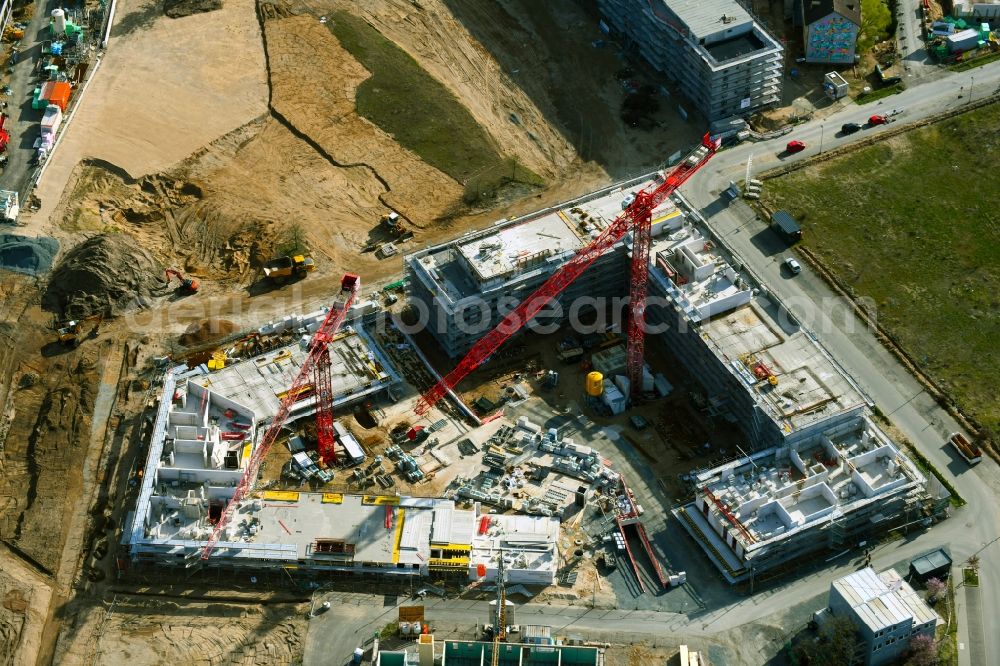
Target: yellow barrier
(333, 498)
(380, 500)
(281, 495)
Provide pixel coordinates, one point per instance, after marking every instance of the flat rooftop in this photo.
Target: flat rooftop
(357, 368)
(514, 249)
(807, 385)
(705, 17)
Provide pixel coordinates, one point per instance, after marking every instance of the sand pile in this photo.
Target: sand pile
(25, 254)
(206, 330)
(107, 274)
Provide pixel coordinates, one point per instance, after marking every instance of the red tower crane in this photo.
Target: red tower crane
(316, 367)
(637, 217)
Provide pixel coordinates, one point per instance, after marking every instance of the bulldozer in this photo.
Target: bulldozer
(69, 334)
(187, 286)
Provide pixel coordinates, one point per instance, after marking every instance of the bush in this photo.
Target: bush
(936, 590)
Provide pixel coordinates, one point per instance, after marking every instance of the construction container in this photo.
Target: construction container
(963, 40)
(613, 398)
(59, 94)
(595, 384)
(51, 120)
(58, 22)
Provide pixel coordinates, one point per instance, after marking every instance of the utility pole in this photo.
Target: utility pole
(971, 84)
(821, 128)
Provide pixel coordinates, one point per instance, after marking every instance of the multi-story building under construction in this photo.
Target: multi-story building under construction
(818, 472)
(723, 60)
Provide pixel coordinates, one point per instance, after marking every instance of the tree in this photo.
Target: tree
(836, 644)
(875, 23)
(973, 562)
(923, 651)
(935, 590)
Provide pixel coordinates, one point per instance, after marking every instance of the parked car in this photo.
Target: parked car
(795, 147)
(878, 120)
(792, 265)
(850, 128)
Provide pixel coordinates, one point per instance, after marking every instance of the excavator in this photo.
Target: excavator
(69, 334)
(187, 286)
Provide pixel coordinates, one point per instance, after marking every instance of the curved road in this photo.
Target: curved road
(974, 528)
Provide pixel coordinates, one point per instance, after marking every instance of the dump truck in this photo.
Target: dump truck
(969, 451)
(289, 266)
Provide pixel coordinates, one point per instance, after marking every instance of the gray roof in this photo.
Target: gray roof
(704, 17)
(931, 562)
(814, 10)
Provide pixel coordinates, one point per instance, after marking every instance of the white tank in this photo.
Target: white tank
(59, 19)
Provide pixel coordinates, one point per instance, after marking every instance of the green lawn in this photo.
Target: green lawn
(914, 224)
(420, 112)
(970, 577)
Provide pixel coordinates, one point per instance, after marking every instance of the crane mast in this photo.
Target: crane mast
(315, 367)
(500, 620)
(637, 218)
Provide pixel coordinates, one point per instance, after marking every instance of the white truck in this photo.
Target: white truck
(11, 205)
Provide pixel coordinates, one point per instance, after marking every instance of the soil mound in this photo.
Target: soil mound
(27, 255)
(206, 330)
(181, 8)
(106, 274)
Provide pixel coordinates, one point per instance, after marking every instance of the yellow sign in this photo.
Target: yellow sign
(281, 495)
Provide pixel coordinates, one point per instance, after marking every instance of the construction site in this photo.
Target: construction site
(268, 345)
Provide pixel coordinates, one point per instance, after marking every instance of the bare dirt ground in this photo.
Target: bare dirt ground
(162, 93)
(151, 630)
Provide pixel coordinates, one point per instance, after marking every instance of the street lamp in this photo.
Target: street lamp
(821, 128)
(971, 83)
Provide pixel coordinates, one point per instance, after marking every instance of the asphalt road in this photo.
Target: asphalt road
(891, 387)
(23, 123)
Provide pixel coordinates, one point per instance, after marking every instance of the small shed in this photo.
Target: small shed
(935, 564)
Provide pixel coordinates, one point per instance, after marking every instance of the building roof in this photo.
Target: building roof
(706, 17)
(814, 10)
(881, 601)
(357, 368)
(930, 562)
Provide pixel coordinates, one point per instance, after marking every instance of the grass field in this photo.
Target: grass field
(421, 113)
(914, 223)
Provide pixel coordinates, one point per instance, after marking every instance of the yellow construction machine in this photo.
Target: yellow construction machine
(69, 334)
